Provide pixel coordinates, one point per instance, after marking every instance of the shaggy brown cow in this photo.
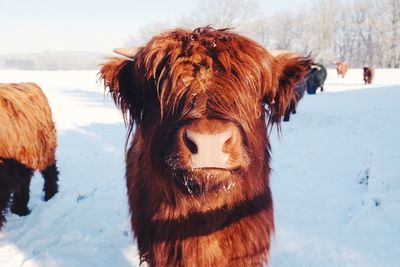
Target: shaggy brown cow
(198, 165)
(341, 68)
(369, 73)
(27, 143)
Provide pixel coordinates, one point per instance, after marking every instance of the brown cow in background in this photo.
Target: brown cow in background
(27, 143)
(369, 73)
(341, 68)
(197, 167)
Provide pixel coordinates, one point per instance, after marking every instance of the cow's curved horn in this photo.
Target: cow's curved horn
(315, 67)
(127, 52)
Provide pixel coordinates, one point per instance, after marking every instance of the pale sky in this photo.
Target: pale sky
(29, 26)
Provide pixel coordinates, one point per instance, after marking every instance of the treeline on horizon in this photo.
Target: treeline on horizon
(360, 32)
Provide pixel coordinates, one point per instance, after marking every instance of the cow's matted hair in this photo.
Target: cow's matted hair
(27, 130)
(182, 90)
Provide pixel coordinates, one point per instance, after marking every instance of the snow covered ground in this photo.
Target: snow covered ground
(335, 180)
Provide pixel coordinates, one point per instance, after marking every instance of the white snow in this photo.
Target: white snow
(335, 180)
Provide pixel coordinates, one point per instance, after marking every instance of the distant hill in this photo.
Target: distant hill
(64, 60)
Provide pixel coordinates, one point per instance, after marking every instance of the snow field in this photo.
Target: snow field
(335, 179)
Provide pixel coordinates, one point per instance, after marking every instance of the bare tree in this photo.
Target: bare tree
(345, 38)
(222, 14)
(323, 27)
(364, 22)
(281, 28)
(258, 29)
(392, 11)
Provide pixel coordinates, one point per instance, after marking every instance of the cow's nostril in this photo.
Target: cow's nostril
(189, 144)
(229, 141)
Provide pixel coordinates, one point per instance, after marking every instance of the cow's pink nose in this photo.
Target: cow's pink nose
(208, 148)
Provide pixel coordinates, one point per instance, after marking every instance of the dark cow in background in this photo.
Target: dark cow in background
(197, 167)
(299, 90)
(27, 143)
(316, 78)
(369, 73)
(341, 68)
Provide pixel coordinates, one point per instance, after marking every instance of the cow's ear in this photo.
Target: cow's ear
(289, 69)
(122, 82)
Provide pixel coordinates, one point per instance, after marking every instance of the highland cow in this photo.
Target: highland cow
(198, 105)
(368, 75)
(27, 143)
(341, 68)
(316, 78)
